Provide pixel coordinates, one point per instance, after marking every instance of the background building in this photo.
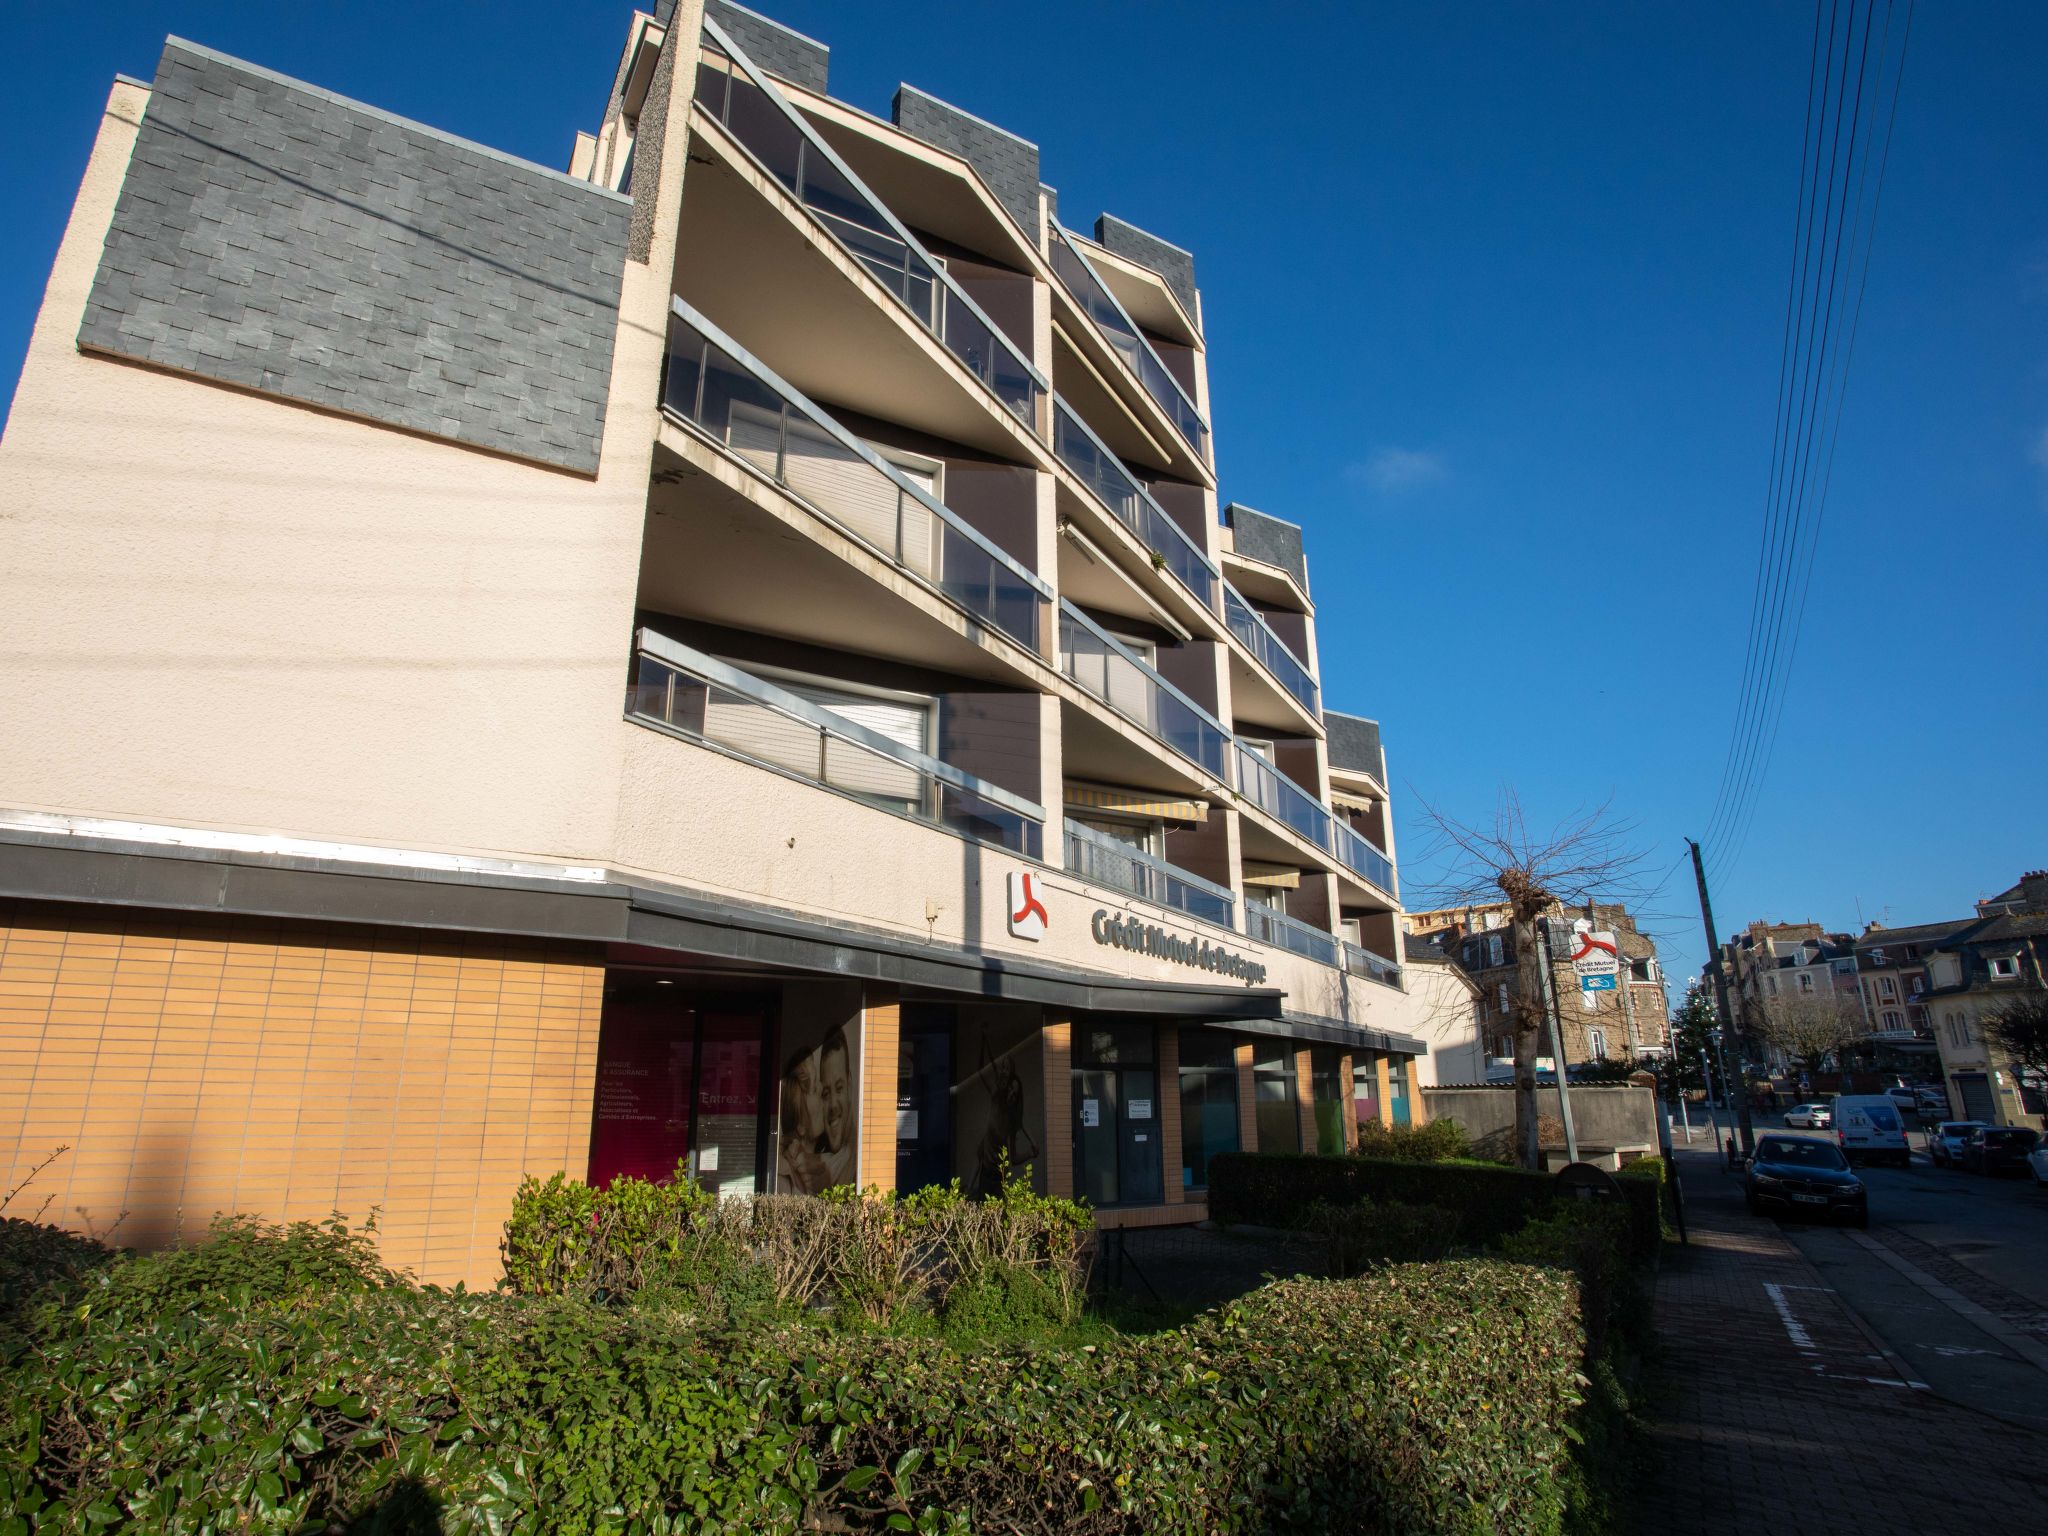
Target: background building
(730, 656)
(1973, 973)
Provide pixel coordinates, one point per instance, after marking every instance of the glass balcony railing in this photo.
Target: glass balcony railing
(1108, 861)
(1360, 961)
(1356, 853)
(1106, 668)
(702, 698)
(1270, 650)
(1261, 922)
(747, 105)
(1131, 504)
(1081, 280)
(740, 405)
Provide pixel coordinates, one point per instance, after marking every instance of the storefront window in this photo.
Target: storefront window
(1325, 1074)
(1364, 1086)
(1397, 1090)
(1273, 1076)
(1117, 1152)
(970, 1097)
(1208, 1102)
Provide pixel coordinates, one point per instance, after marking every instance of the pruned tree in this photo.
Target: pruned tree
(2019, 1028)
(1809, 1027)
(1537, 871)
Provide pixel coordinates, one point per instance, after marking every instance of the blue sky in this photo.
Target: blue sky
(1494, 301)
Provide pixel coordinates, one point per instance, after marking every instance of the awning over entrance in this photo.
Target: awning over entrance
(1302, 1026)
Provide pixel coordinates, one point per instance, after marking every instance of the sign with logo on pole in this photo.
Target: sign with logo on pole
(1596, 960)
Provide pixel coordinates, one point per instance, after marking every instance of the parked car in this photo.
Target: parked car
(1907, 1099)
(1871, 1128)
(1809, 1117)
(2037, 1163)
(1945, 1142)
(1997, 1149)
(1804, 1176)
(1933, 1102)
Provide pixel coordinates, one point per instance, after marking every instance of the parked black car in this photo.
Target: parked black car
(1999, 1148)
(1804, 1176)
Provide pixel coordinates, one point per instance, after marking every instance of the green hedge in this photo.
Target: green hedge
(1643, 1185)
(1277, 1189)
(279, 1380)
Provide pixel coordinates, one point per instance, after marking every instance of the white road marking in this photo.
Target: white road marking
(1794, 1329)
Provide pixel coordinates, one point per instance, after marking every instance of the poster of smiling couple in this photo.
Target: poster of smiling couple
(817, 1141)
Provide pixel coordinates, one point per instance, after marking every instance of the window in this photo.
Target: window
(1493, 949)
(1208, 1102)
(1146, 836)
(2004, 967)
(1279, 1121)
(1503, 997)
(1885, 989)
(1805, 982)
(1877, 957)
(1958, 1029)
(1596, 1044)
(1892, 1019)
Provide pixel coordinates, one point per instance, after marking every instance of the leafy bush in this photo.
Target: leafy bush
(1645, 1185)
(870, 1256)
(276, 1386)
(1591, 1239)
(1364, 1235)
(1430, 1143)
(38, 1262)
(1277, 1188)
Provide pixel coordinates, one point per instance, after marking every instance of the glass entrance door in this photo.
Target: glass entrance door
(1119, 1156)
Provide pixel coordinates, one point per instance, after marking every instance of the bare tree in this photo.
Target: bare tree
(1808, 1027)
(2019, 1028)
(1537, 872)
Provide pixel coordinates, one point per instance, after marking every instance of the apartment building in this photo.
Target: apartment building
(1891, 978)
(1976, 971)
(731, 656)
(1629, 1021)
(1773, 960)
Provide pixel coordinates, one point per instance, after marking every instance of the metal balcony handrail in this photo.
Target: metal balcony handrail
(1290, 933)
(1360, 961)
(1157, 379)
(732, 679)
(1148, 520)
(1207, 722)
(1363, 857)
(1086, 839)
(814, 143)
(1280, 797)
(1271, 652)
(801, 403)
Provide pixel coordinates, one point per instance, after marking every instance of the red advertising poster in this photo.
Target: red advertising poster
(642, 1126)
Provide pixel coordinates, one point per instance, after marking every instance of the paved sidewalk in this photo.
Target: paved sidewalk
(1771, 1408)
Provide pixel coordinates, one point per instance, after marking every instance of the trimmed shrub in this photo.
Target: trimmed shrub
(244, 1391)
(1277, 1189)
(1643, 1184)
(1363, 1236)
(1590, 1238)
(1430, 1143)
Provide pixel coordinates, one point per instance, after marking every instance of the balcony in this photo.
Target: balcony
(1132, 505)
(1092, 294)
(1104, 668)
(744, 102)
(702, 699)
(1294, 807)
(1270, 651)
(736, 403)
(1107, 861)
(1283, 932)
(1360, 961)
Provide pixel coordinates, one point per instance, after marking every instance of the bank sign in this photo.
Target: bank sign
(1143, 938)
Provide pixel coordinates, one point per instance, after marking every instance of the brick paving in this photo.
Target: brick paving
(1769, 1407)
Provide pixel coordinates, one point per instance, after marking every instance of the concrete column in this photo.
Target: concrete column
(1058, 1055)
(1247, 1099)
(1305, 1097)
(1167, 1108)
(880, 1038)
(1381, 1077)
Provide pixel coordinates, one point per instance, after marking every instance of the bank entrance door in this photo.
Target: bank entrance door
(681, 1082)
(1117, 1146)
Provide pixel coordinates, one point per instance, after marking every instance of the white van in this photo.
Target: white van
(1872, 1129)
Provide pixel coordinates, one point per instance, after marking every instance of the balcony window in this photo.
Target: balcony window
(893, 508)
(1328, 1089)
(1078, 276)
(1279, 1121)
(855, 743)
(733, 93)
(1115, 859)
(1267, 648)
(1109, 670)
(1090, 462)
(1208, 1102)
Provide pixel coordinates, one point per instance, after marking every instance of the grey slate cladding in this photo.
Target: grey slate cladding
(774, 47)
(1007, 163)
(1355, 744)
(1268, 539)
(1169, 261)
(274, 236)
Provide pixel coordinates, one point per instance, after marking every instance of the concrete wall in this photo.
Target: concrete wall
(1604, 1116)
(196, 1064)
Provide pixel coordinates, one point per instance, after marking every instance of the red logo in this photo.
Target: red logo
(1028, 917)
(1587, 944)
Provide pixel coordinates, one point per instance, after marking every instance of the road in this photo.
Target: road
(1953, 1278)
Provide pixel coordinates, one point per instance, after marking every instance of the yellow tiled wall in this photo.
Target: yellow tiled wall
(195, 1063)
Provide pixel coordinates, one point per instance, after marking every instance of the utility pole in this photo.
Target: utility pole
(1731, 1050)
(1564, 1097)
